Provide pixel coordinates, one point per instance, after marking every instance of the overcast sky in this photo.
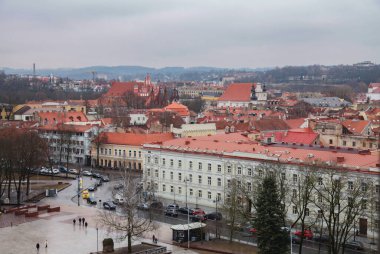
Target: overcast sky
(159, 33)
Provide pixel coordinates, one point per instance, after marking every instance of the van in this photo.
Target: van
(85, 194)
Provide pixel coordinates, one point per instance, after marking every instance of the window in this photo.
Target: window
(330, 141)
(123, 153)
(319, 197)
(260, 173)
(163, 187)
(179, 163)
(191, 192)
(171, 188)
(148, 159)
(200, 165)
(179, 177)
(249, 171)
(228, 183)
(209, 167)
(350, 201)
(219, 168)
(163, 174)
(115, 152)
(109, 151)
(134, 153)
(190, 164)
(163, 161)
(307, 212)
(199, 193)
(239, 170)
(156, 160)
(190, 178)
(295, 178)
(319, 214)
(171, 163)
(239, 184)
(295, 210)
(119, 152)
(156, 172)
(171, 175)
(353, 143)
(294, 195)
(320, 181)
(377, 204)
(283, 176)
(249, 186)
(364, 204)
(229, 169)
(219, 182)
(209, 195)
(139, 154)
(130, 153)
(199, 179)
(179, 190)
(350, 185)
(344, 142)
(209, 180)
(148, 171)
(218, 196)
(101, 150)
(364, 144)
(377, 189)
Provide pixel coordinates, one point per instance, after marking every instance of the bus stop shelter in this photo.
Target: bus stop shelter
(181, 231)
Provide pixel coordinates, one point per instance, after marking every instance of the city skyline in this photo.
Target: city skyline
(156, 34)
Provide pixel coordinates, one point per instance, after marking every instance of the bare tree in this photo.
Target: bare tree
(341, 199)
(128, 224)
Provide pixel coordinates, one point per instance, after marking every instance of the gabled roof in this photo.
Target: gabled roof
(356, 126)
(62, 117)
(21, 110)
(306, 138)
(237, 92)
(181, 109)
(295, 123)
(120, 88)
(134, 139)
(270, 125)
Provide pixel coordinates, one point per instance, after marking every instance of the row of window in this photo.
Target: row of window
(199, 193)
(65, 142)
(119, 164)
(119, 152)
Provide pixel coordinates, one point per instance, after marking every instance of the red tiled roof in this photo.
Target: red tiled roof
(62, 117)
(355, 126)
(270, 125)
(66, 127)
(374, 85)
(228, 144)
(237, 92)
(133, 138)
(120, 88)
(295, 123)
(182, 110)
(306, 138)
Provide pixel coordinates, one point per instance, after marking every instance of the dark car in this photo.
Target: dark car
(96, 175)
(321, 238)
(213, 216)
(143, 206)
(118, 186)
(157, 205)
(92, 188)
(104, 178)
(91, 201)
(185, 210)
(63, 169)
(198, 218)
(99, 182)
(354, 245)
(171, 212)
(109, 205)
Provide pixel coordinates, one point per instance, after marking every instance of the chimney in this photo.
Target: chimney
(340, 159)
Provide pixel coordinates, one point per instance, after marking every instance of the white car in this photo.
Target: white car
(44, 170)
(55, 170)
(73, 171)
(86, 173)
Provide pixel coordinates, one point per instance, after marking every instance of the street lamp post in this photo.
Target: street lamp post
(79, 186)
(216, 216)
(188, 217)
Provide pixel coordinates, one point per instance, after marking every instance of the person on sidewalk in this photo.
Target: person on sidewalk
(38, 247)
(46, 243)
(153, 238)
(80, 221)
(74, 221)
(83, 220)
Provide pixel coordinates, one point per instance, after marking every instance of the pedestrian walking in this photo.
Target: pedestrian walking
(85, 224)
(46, 243)
(153, 238)
(83, 220)
(80, 221)
(38, 247)
(74, 221)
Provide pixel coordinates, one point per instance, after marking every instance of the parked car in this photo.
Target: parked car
(308, 234)
(354, 245)
(99, 182)
(62, 169)
(173, 206)
(171, 212)
(118, 186)
(213, 216)
(96, 175)
(44, 170)
(91, 201)
(73, 171)
(109, 205)
(296, 239)
(143, 206)
(92, 188)
(198, 211)
(55, 171)
(104, 178)
(156, 205)
(118, 200)
(86, 173)
(185, 210)
(321, 238)
(198, 217)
